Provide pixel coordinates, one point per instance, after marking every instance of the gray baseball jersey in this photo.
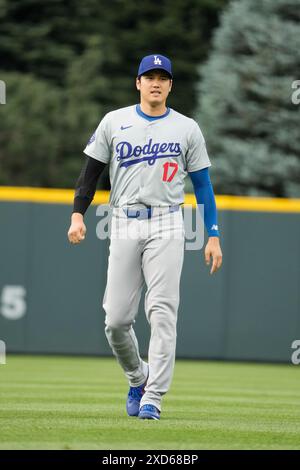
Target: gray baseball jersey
(148, 159)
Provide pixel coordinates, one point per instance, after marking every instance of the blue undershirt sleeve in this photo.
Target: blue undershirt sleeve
(205, 195)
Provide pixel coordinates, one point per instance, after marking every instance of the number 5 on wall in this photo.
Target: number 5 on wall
(167, 166)
(13, 303)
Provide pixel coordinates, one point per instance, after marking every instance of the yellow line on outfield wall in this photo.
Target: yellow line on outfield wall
(45, 195)
(255, 204)
(65, 196)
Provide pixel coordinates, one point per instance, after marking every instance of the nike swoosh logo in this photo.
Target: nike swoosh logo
(125, 127)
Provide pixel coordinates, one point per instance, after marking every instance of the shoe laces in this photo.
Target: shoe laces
(136, 392)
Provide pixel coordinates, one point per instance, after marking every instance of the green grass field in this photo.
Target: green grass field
(79, 403)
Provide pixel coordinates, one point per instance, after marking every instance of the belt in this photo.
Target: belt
(148, 211)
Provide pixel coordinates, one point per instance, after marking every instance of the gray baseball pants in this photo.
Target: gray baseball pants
(149, 251)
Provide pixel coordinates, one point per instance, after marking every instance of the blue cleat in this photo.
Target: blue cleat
(133, 400)
(149, 412)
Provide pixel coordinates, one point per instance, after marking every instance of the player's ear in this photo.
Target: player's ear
(138, 83)
(171, 83)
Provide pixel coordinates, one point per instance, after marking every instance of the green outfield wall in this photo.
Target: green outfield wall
(51, 292)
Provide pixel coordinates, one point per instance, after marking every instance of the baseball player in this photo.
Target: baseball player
(150, 148)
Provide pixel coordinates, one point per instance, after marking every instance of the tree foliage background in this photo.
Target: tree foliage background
(245, 101)
(67, 62)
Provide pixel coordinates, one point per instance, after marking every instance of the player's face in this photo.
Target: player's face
(154, 87)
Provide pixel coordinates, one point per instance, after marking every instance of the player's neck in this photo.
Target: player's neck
(153, 110)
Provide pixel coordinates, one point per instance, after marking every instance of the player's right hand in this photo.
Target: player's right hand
(77, 229)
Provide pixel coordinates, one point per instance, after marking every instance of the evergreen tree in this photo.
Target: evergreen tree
(86, 86)
(246, 112)
(31, 132)
(180, 29)
(44, 37)
(44, 130)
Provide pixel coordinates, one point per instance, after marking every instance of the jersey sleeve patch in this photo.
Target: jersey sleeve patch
(92, 139)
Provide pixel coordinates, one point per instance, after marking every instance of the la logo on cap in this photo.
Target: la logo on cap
(157, 60)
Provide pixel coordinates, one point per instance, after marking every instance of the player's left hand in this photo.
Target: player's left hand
(213, 250)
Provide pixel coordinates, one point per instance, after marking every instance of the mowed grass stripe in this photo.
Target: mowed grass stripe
(79, 403)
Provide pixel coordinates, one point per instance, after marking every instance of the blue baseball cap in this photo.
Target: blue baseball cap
(152, 62)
